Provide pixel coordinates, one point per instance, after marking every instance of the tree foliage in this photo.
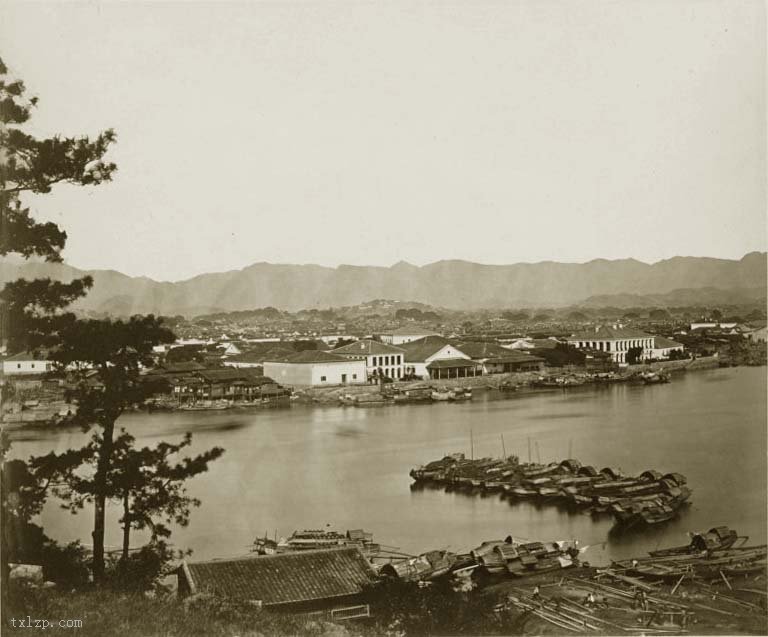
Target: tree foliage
(32, 309)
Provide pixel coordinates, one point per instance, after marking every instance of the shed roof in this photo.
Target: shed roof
(285, 578)
(444, 363)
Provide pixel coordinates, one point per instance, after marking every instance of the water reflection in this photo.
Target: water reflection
(306, 467)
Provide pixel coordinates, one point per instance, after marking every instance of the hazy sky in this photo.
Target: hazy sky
(370, 132)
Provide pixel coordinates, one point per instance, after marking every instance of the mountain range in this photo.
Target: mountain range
(448, 284)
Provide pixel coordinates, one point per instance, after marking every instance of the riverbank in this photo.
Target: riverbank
(549, 603)
(43, 408)
(331, 395)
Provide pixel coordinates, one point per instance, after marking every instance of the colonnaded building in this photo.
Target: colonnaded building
(618, 340)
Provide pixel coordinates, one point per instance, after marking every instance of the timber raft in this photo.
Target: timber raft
(647, 499)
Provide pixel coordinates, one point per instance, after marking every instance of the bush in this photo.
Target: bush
(409, 609)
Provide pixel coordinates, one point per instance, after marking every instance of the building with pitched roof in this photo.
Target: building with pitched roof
(615, 339)
(496, 359)
(29, 363)
(436, 357)
(380, 359)
(301, 581)
(405, 335)
(313, 368)
(663, 347)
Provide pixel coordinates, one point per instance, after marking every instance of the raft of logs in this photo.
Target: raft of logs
(650, 498)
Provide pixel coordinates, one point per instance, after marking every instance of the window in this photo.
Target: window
(18, 365)
(354, 376)
(322, 379)
(33, 366)
(374, 361)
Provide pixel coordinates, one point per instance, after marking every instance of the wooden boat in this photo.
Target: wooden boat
(508, 386)
(441, 394)
(720, 537)
(522, 492)
(654, 378)
(206, 405)
(459, 393)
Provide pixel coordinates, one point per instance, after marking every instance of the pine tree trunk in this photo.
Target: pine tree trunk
(100, 479)
(126, 527)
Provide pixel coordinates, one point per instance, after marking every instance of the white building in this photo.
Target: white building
(710, 326)
(616, 339)
(312, 368)
(380, 358)
(246, 359)
(27, 363)
(663, 348)
(436, 357)
(405, 335)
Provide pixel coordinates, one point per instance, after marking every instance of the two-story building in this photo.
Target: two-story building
(380, 359)
(616, 340)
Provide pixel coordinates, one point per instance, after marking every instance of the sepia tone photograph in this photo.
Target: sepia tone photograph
(358, 319)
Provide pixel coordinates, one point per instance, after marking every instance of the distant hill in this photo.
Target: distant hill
(679, 298)
(447, 284)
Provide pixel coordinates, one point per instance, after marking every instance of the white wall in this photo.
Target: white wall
(448, 351)
(27, 367)
(316, 374)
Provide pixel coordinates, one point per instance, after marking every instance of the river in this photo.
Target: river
(308, 467)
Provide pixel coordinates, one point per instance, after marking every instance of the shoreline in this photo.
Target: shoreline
(40, 418)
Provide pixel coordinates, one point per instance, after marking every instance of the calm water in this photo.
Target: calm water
(348, 467)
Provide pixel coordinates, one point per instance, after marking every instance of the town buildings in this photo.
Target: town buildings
(312, 368)
(380, 359)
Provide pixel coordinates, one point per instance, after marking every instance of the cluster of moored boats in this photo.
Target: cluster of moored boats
(720, 552)
(565, 381)
(398, 396)
(650, 498)
(511, 556)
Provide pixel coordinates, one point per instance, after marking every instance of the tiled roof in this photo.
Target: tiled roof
(605, 332)
(285, 578)
(231, 374)
(247, 357)
(421, 349)
(479, 351)
(28, 356)
(663, 343)
(451, 362)
(493, 352)
(367, 347)
(184, 366)
(310, 356)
